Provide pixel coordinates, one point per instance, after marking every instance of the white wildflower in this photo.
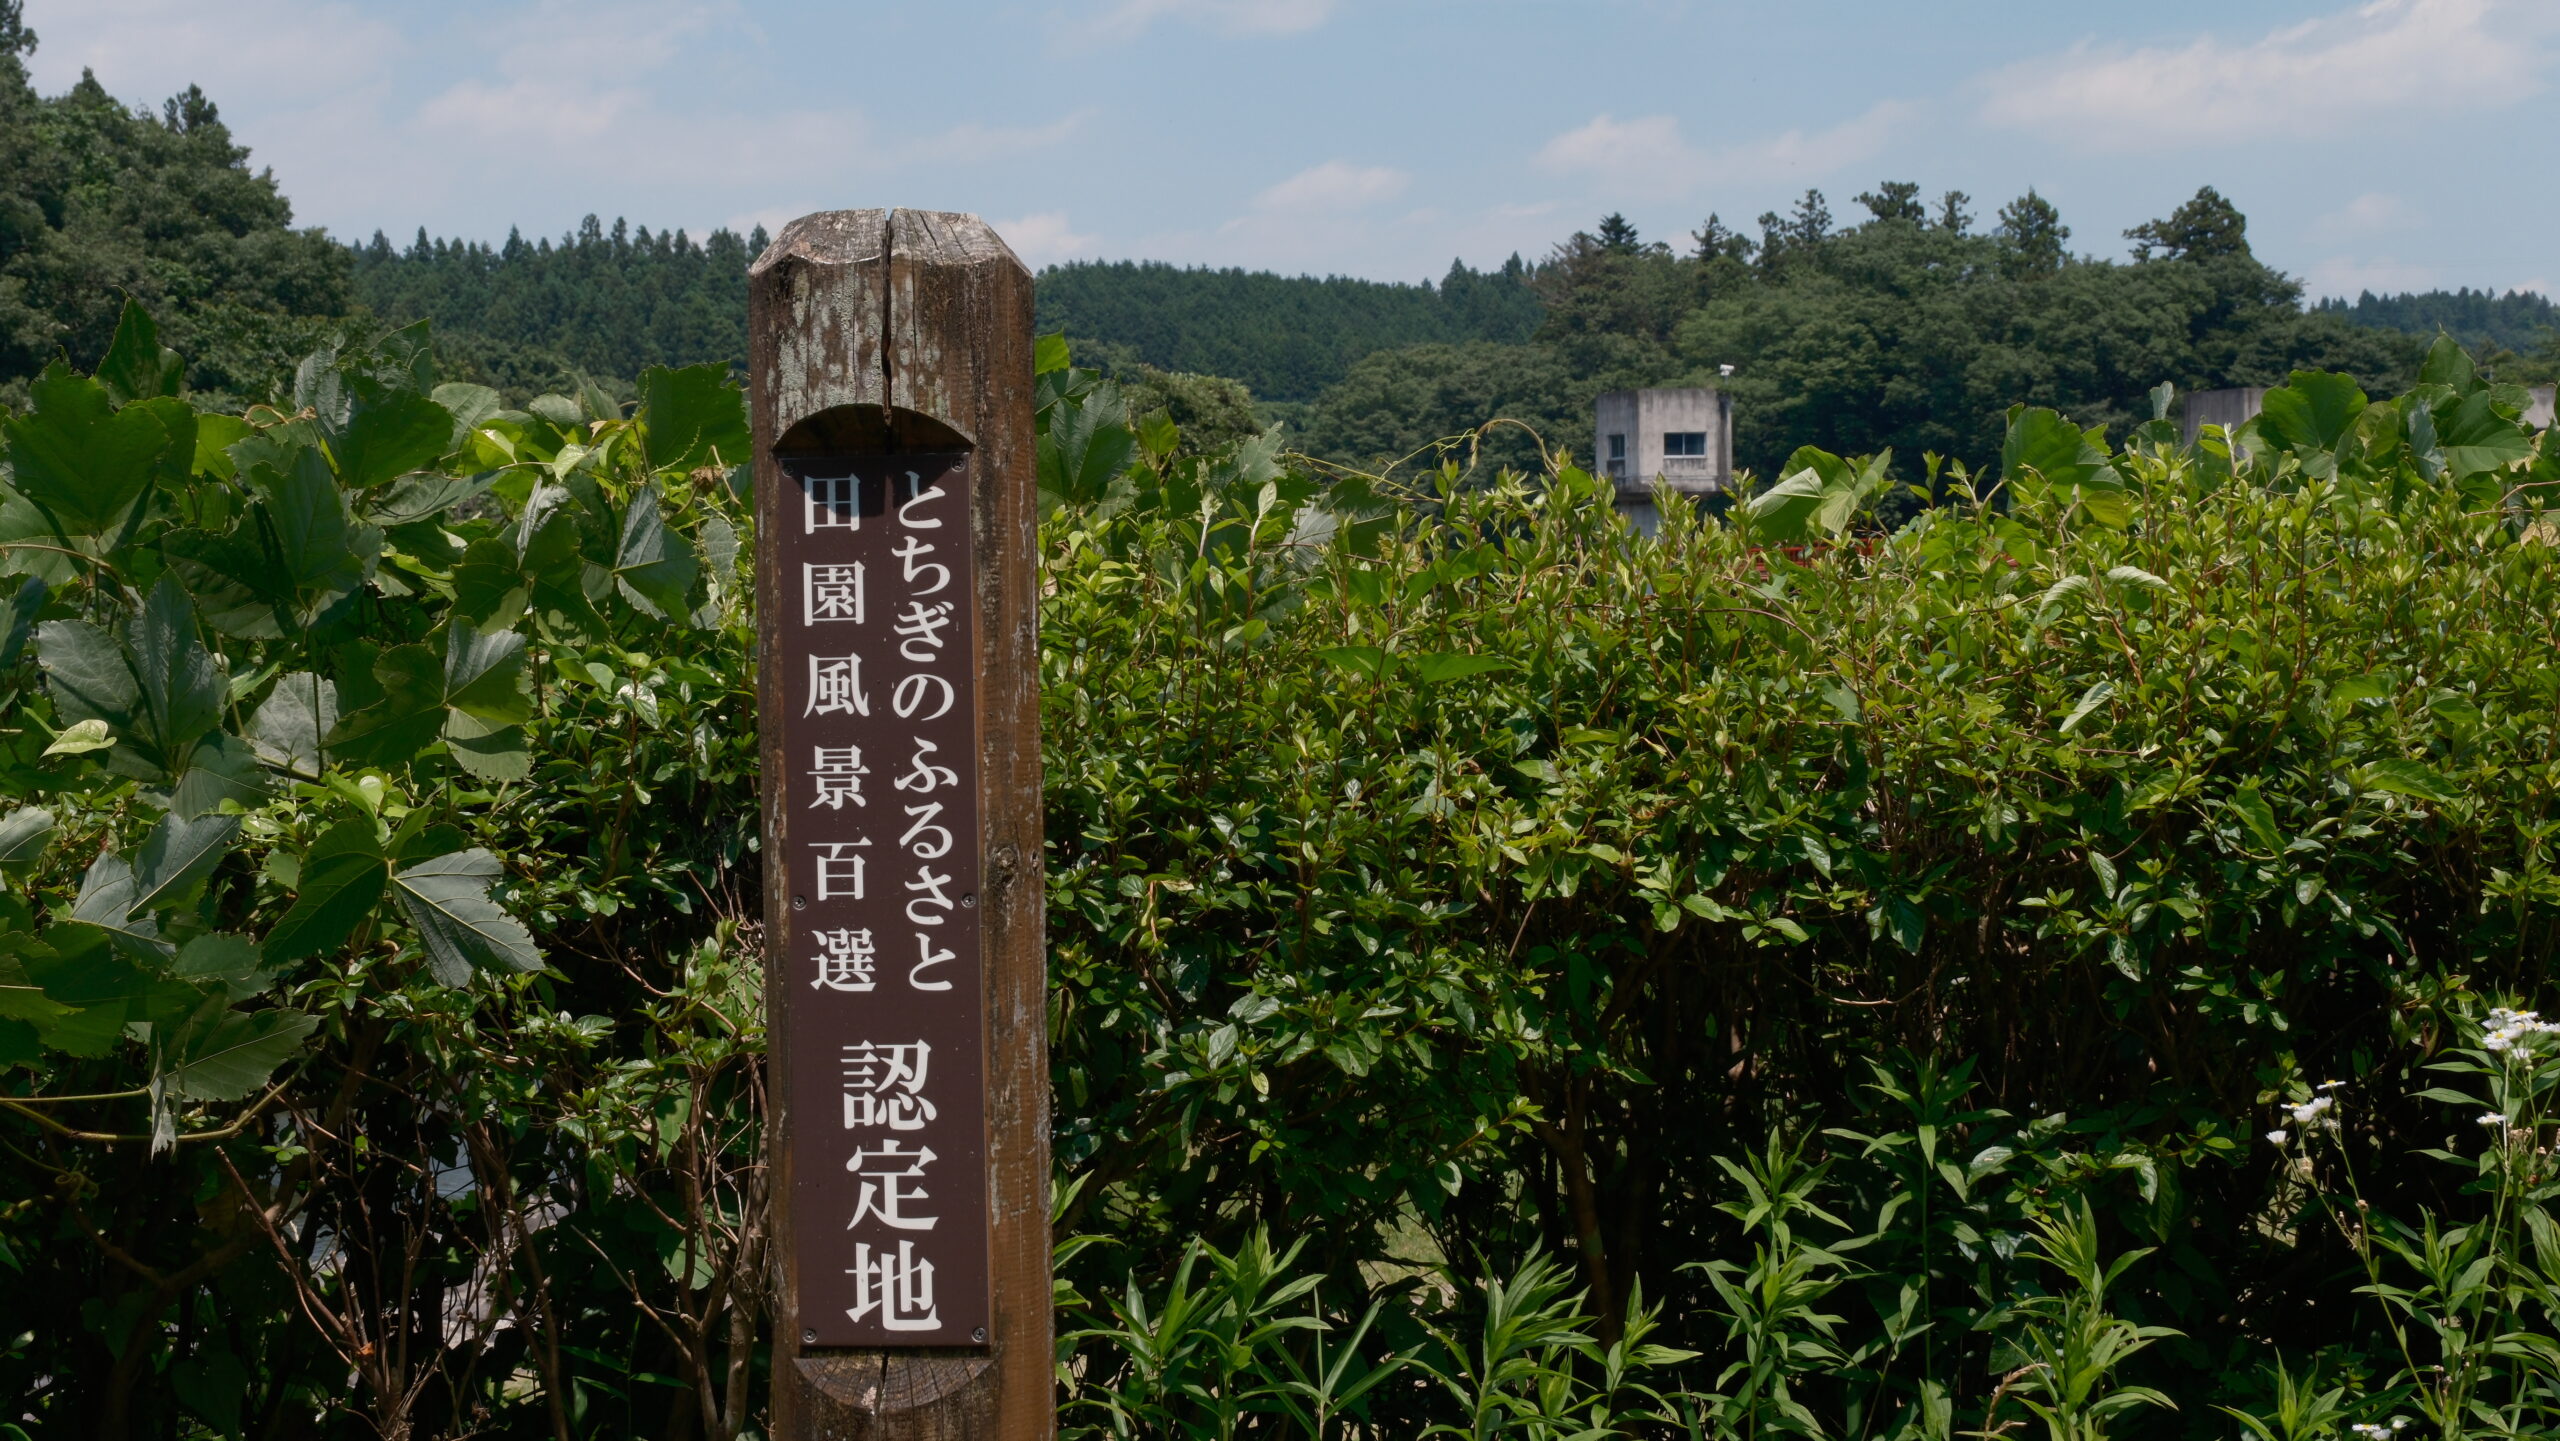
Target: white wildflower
(2493, 1119)
(2279, 1137)
(2310, 1111)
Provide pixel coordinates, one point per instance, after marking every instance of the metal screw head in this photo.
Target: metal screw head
(978, 1335)
(799, 903)
(969, 901)
(808, 1338)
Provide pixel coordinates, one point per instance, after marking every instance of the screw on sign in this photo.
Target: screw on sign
(891, 384)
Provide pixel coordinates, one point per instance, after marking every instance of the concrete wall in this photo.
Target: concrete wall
(1644, 417)
(2227, 408)
(1614, 413)
(2235, 407)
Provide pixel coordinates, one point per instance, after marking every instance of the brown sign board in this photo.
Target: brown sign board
(887, 1013)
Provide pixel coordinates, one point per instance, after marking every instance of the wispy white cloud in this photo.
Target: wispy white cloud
(970, 143)
(145, 48)
(1045, 238)
(2370, 63)
(1655, 152)
(1128, 19)
(2347, 276)
(2367, 213)
(1334, 185)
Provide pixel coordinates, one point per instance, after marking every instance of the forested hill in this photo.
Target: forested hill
(1286, 338)
(2519, 320)
(609, 301)
(599, 302)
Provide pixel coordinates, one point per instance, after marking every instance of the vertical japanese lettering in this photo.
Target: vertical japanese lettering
(886, 1026)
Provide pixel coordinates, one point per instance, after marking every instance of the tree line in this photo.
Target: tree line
(1910, 328)
(1913, 329)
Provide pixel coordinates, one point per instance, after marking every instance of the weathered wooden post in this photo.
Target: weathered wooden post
(891, 378)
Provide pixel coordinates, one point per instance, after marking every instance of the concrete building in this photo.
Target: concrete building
(2230, 409)
(1680, 438)
(2237, 406)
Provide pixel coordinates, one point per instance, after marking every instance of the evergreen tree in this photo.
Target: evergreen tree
(1952, 216)
(1286, 338)
(2207, 227)
(2031, 235)
(1895, 200)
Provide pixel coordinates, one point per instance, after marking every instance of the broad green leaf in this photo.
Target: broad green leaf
(86, 673)
(2477, 440)
(2135, 575)
(21, 999)
(86, 466)
(1433, 667)
(495, 754)
(221, 767)
(2041, 441)
(447, 899)
(392, 730)
(18, 618)
(469, 405)
(232, 578)
(2257, 817)
(2408, 778)
(137, 366)
(2090, 699)
(291, 563)
(484, 676)
(389, 437)
(1048, 353)
(424, 496)
(98, 988)
(215, 435)
(321, 554)
(2448, 364)
(2312, 411)
(1366, 661)
(2050, 603)
(488, 589)
(692, 417)
(343, 876)
(1087, 445)
(1783, 514)
(288, 725)
(24, 835)
(234, 1053)
(653, 565)
(234, 963)
(80, 738)
(107, 894)
(181, 688)
(177, 855)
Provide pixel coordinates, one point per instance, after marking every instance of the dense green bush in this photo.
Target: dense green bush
(372, 978)
(1779, 977)
(1470, 878)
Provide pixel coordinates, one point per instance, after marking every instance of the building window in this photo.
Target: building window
(1617, 447)
(1684, 442)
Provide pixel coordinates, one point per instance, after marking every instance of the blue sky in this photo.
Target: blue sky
(2394, 144)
